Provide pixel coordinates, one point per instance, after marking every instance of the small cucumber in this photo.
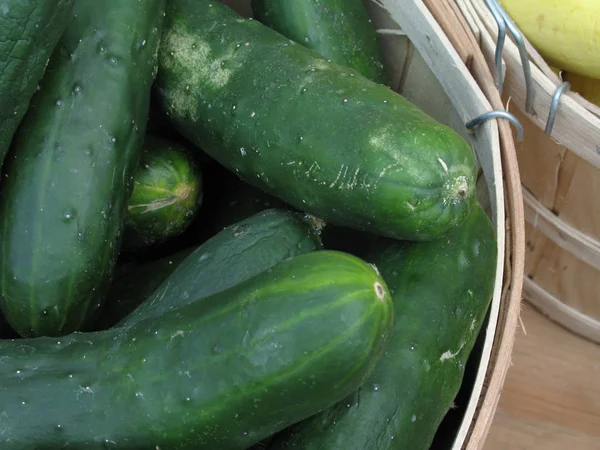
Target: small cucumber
(167, 194)
(240, 201)
(441, 291)
(339, 30)
(313, 133)
(68, 176)
(221, 373)
(235, 254)
(130, 290)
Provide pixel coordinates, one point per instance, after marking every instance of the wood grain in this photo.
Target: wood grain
(551, 396)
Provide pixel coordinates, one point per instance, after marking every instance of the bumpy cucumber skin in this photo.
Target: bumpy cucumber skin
(167, 194)
(339, 30)
(68, 175)
(441, 292)
(29, 31)
(222, 373)
(256, 242)
(319, 136)
(235, 254)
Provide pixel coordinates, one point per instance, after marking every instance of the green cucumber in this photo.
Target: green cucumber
(68, 176)
(167, 194)
(29, 31)
(235, 254)
(317, 135)
(271, 236)
(221, 373)
(339, 30)
(441, 291)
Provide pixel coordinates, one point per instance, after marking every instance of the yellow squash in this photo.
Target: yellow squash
(565, 32)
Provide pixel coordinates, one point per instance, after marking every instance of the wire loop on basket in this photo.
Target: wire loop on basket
(497, 114)
(493, 7)
(565, 86)
(504, 21)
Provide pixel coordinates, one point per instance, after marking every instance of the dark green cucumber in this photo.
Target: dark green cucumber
(132, 288)
(222, 373)
(274, 235)
(317, 135)
(339, 30)
(167, 194)
(235, 254)
(441, 292)
(29, 31)
(68, 176)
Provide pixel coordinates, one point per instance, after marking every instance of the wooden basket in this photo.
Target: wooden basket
(561, 178)
(430, 72)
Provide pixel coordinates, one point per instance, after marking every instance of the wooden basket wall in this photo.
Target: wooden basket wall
(561, 178)
(429, 71)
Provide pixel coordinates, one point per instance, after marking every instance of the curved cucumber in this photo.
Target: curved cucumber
(336, 145)
(166, 197)
(339, 30)
(222, 373)
(67, 180)
(441, 292)
(235, 254)
(29, 31)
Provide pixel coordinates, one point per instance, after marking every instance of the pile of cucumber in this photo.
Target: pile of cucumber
(227, 233)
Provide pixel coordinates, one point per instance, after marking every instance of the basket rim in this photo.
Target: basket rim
(456, 27)
(443, 27)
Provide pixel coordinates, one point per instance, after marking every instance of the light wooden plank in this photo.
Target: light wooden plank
(551, 397)
(560, 312)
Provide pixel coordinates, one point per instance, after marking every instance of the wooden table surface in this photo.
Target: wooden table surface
(551, 398)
